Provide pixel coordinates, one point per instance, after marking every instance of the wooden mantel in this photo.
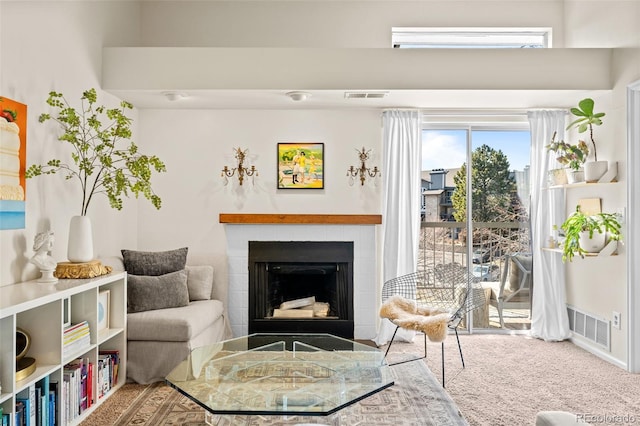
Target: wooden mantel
(314, 219)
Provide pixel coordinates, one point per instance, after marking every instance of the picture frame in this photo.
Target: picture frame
(300, 165)
(13, 129)
(104, 302)
(66, 312)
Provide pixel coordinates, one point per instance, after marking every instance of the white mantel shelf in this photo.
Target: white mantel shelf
(318, 219)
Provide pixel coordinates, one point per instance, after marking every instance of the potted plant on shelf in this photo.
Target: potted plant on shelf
(572, 156)
(588, 233)
(593, 170)
(100, 163)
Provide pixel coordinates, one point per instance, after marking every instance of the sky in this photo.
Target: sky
(446, 149)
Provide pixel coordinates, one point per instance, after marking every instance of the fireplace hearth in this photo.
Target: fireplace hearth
(281, 271)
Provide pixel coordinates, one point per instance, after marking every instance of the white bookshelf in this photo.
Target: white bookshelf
(39, 309)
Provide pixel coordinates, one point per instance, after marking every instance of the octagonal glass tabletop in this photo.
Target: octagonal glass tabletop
(264, 374)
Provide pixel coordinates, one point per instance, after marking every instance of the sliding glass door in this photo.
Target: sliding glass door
(475, 213)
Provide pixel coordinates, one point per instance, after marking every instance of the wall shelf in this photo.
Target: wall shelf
(580, 185)
(609, 250)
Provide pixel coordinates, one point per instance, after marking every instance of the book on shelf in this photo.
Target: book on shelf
(76, 345)
(72, 327)
(28, 397)
(54, 412)
(42, 407)
(52, 408)
(19, 413)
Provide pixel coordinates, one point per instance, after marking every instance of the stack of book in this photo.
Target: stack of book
(107, 377)
(76, 337)
(77, 386)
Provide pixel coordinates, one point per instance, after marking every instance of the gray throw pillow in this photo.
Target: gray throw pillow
(146, 293)
(154, 262)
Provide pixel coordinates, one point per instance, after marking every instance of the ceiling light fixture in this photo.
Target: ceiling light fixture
(298, 96)
(174, 96)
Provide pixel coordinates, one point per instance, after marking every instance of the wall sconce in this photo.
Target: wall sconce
(363, 170)
(242, 171)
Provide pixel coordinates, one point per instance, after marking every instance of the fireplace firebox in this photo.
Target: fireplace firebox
(288, 271)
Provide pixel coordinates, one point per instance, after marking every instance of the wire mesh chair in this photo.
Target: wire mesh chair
(447, 286)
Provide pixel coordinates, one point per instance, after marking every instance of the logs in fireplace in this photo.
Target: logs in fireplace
(282, 271)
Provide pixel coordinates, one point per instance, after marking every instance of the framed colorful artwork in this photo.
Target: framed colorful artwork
(13, 155)
(300, 165)
(104, 302)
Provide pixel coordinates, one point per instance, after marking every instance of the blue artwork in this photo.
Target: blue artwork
(11, 214)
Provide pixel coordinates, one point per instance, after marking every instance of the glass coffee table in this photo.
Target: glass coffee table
(302, 376)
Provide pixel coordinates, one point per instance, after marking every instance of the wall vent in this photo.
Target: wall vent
(590, 327)
(365, 95)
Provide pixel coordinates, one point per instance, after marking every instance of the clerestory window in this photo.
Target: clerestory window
(470, 38)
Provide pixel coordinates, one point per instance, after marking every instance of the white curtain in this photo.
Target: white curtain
(549, 318)
(401, 209)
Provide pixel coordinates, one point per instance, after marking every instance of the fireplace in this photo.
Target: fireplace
(289, 271)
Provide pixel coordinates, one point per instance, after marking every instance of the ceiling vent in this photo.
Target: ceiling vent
(365, 95)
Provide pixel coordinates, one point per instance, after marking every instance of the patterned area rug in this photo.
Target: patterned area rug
(417, 398)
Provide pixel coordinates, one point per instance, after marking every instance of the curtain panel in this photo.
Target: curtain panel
(402, 142)
(549, 318)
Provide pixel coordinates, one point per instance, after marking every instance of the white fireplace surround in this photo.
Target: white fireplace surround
(364, 267)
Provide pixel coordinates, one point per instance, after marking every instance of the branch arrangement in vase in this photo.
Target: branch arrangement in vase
(100, 164)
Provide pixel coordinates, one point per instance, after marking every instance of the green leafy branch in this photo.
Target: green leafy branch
(99, 165)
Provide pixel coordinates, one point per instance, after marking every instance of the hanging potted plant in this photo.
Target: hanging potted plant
(99, 163)
(593, 170)
(572, 156)
(588, 233)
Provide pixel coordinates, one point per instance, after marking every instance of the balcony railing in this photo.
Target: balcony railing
(445, 243)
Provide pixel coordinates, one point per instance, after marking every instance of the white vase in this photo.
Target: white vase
(594, 170)
(80, 248)
(592, 245)
(575, 176)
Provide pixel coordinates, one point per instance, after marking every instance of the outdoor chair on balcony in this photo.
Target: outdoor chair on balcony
(515, 287)
(431, 302)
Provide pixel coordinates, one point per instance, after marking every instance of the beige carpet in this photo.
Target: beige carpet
(507, 380)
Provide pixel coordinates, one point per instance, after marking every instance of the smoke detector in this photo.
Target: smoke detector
(174, 96)
(298, 96)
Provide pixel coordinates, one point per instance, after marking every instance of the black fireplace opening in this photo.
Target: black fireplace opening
(285, 272)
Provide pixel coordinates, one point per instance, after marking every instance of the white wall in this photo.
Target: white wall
(331, 23)
(58, 46)
(197, 144)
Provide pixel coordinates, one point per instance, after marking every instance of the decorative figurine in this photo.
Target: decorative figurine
(42, 245)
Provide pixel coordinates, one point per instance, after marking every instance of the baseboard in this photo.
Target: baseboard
(579, 341)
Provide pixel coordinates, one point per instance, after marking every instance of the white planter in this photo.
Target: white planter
(557, 177)
(594, 170)
(592, 245)
(80, 248)
(575, 176)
